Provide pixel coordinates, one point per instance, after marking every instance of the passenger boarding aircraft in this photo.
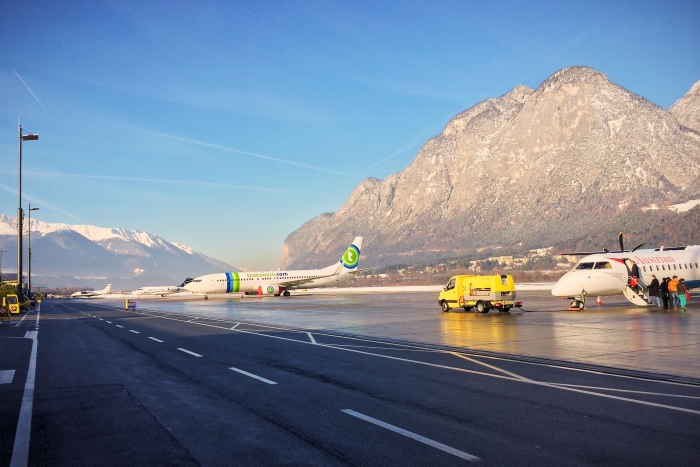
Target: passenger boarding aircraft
(278, 282)
(162, 291)
(92, 293)
(609, 273)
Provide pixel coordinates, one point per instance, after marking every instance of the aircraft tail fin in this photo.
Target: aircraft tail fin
(108, 288)
(351, 257)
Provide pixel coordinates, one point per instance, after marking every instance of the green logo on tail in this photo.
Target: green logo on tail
(351, 257)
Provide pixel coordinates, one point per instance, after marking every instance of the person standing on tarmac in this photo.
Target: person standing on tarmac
(673, 292)
(663, 290)
(682, 293)
(654, 291)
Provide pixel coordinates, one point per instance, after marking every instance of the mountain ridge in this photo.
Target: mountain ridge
(77, 255)
(539, 167)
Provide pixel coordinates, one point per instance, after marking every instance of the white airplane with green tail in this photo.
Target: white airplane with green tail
(278, 282)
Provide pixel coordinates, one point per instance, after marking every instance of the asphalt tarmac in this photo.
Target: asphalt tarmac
(163, 387)
(615, 334)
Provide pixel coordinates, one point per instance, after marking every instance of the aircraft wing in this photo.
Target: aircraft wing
(298, 282)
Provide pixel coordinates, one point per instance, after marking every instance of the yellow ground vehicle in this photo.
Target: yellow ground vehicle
(482, 292)
(11, 303)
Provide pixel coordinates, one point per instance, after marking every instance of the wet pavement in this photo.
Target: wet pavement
(615, 334)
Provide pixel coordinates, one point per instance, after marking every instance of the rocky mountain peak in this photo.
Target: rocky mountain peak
(530, 166)
(687, 108)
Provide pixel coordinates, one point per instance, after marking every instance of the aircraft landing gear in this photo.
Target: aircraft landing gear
(286, 293)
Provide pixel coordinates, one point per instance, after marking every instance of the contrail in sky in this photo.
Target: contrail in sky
(157, 180)
(25, 85)
(224, 148)
(43, 203)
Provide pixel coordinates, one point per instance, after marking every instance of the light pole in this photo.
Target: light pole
(1, 252)
(29, 250)
(27, 137)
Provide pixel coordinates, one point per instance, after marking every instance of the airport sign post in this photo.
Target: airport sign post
(28, 137)
(29, 250)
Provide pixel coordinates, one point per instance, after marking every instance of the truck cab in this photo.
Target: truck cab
(480, 292)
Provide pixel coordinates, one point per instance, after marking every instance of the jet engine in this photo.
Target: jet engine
(269, 290)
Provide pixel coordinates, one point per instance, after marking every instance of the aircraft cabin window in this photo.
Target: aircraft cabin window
(585, 266)
(604, 265)
(644, 268)
(696, 265)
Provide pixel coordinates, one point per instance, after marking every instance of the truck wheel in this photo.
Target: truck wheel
(445, 307)
(481, 308)
(505, 309)
(467, 308)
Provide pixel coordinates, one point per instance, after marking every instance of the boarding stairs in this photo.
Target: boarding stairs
(636, 294)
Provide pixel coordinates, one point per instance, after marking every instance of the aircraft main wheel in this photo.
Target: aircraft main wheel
(445, 307)
(481, 308)
(286, 293)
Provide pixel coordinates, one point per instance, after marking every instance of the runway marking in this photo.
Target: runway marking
(20, 321)
(119, 326)
(109, 322)
(100, 319)
(135, 332)
(522, 378)
(154, 339)
(409, 434)
(234, 327)
(627, 390)
(311, 338)
(20, 450)
(464, 370)
(260, 378)
(187, 351)
(6, 376)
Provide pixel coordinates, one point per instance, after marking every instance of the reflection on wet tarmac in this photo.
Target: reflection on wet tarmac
(614, 334)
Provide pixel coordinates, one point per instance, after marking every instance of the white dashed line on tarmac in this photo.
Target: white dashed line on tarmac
(311, 338)
(109, 322)
(187, 351)
(154, 339)
(135, 332)
(234, 327)
(6, 376)
(119, 326)
(419, 438)
(259, 378)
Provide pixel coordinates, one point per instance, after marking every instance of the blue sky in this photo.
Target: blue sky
(228, 125)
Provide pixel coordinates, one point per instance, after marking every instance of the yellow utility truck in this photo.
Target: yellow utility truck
(480, 292)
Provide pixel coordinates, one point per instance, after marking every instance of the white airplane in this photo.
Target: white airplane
(609, 273)
(278, 282)
(92, 293)
(162, 291)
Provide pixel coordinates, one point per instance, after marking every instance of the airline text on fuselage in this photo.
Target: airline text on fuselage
(654, 259)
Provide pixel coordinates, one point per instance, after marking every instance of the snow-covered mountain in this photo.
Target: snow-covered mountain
(65, 254)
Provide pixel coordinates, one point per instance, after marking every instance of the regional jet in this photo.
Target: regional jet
(279, 282)
(611, 273)
(162, 290)
(92, 293)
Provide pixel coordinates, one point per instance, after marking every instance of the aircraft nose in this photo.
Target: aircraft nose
(562, 287)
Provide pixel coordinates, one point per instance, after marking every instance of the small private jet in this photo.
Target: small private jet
(278, 282)
(612, 272)
(162, 291)
(92, 293)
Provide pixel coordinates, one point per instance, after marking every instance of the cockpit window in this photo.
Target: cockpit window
(584, 266)
(604, 265)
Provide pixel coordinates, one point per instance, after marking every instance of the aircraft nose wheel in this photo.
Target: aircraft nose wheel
(286, 293)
